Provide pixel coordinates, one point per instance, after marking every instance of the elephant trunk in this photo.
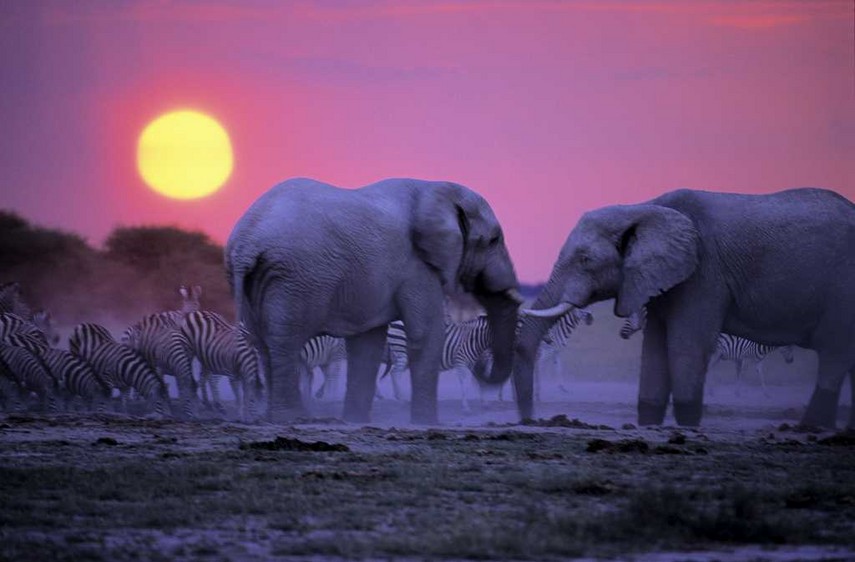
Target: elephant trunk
(502, 319)
(531, 331)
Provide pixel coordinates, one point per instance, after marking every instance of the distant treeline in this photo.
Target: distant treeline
(137, 272)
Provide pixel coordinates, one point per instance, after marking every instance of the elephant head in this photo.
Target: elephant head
(630, 253)
(456, 233)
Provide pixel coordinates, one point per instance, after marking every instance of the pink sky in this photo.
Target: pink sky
(546, 108)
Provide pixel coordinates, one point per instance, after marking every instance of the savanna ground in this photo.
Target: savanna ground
(480, 486)
(743, 487)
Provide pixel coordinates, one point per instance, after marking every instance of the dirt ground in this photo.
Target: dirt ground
(580, 483)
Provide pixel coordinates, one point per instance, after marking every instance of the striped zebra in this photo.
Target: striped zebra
(14, 325)
(740, 350)
(119, 365)
(160, 340)
(77, 379)
(555, 341)
(633, 323)
(224, 349)
(27, 373)
(464, 344)
(329, 355)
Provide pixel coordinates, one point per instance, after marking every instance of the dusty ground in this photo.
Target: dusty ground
(744, 487)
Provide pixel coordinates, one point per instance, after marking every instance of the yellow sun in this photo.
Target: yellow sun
(184, 155)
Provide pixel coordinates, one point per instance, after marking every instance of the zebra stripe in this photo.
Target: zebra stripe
(77, 378)
(559, 334)
(27, 371)
(164, 346)
(224, 349)
(739, 350)
(633, 323)
(122, 367)
(326, 353)
(464, 344)
(13, 324)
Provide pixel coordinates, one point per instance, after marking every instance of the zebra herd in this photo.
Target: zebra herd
(195, 347)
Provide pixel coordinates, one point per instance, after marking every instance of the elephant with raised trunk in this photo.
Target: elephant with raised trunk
(778, 269)
(309, 258)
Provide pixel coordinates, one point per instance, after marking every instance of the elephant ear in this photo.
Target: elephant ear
(443, 233)
(660, 250)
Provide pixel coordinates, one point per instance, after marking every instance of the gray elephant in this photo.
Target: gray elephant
(309, 258)
(777, 269)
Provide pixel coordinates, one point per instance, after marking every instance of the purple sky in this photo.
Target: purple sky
(547, 108)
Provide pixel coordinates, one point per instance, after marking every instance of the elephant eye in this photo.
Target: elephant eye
(584, 260)
(494, 240)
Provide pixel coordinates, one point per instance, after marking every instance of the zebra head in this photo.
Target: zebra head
(190, 298)
(44, 322)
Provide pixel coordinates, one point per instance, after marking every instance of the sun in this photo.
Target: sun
(185, 155)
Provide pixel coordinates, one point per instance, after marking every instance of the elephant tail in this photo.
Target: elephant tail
(240, 278)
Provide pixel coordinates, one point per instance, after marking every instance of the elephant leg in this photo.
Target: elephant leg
(364, 353)
(655, 382)
(425, 340)
(687, 361)
(284, 400)
(822, 408)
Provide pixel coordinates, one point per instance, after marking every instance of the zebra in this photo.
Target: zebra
(121, 366)
(328, 354)
(728, 348)
(77, 379)
(464, 344)
(737, 349)
(13, 324)
(633, 323)
(25, 370)
(556, 339)
(157, 338)
(224, 349)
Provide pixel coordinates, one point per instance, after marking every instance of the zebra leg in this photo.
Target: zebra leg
(214, 384)
(462, 378)
(739, 365)
(364, 353)
(759, 368)
(238, 388)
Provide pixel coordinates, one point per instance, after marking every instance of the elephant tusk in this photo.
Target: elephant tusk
(556, 310)
(515, 296)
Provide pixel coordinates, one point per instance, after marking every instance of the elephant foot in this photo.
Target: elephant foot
(651, 413)
(526, 409)
(688, 413)
(822, 410)
(356, 415)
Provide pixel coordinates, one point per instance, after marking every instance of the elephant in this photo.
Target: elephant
(308, 258)
(778, 269)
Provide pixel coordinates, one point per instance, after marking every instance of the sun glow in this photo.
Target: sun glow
(184, 155)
